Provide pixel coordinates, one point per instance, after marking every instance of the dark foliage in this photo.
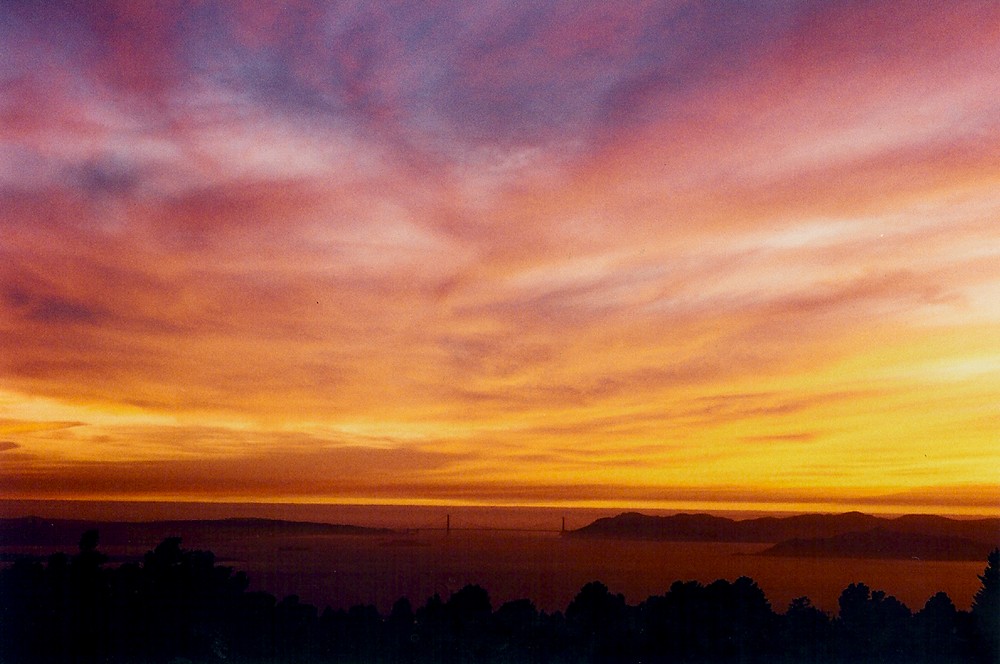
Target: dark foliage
(872, 622)
(806, 633)
(178, 605)
(986, 609)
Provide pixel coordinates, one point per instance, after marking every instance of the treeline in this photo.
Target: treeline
(178, 605)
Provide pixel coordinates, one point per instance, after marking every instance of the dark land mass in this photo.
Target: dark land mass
(180, 605)
(36, 531)
(858, 535)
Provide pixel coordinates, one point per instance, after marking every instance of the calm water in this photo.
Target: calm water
(341, 571)
(344, 570)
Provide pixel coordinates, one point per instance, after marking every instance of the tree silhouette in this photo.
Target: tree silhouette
(517, 628)
(597, 621)
(400, 628)
(720, 622)
(986, 608)
(872, 622)
(179, 605)
(91, 594)
(806, 632)
(743, 620)
(936, 630)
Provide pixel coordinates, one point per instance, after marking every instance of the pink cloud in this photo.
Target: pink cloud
(477, 215)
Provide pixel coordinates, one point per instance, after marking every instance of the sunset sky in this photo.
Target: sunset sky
(691, 255)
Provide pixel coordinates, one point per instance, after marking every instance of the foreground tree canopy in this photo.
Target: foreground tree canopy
(178, 605)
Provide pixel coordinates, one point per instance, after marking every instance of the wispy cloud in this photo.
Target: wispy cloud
(560, 239)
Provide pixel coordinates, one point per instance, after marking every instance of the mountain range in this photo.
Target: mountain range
(849, 535)
(852, 534)
(37, 531)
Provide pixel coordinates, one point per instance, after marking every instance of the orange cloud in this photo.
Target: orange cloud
(507, 254)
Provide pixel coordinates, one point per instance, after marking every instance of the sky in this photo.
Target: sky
(686, 255)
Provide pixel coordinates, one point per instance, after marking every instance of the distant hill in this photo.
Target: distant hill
(859, 535)
(883, 543)
(707, 528)
(37, 531)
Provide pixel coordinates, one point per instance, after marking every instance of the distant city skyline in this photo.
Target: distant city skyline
(717, 256)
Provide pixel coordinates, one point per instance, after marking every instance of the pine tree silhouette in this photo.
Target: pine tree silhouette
(986, 608)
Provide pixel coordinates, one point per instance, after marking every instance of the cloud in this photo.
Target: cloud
(7, 445)
(800, 437)
(529, 229)
(53, 310)
(302, 472)
(107, 177)
(20, 426)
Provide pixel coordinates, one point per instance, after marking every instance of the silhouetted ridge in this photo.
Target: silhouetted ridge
(775, 529)
(37, 531)
(911, 534)
(680, 527)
